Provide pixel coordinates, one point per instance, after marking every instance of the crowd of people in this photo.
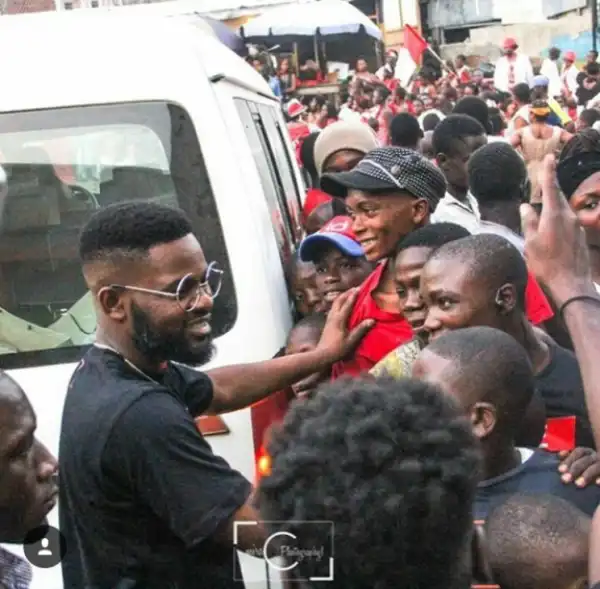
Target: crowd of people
(443, 363)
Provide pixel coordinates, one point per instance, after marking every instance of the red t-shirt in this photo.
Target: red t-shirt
(537, 307)
(392, 330)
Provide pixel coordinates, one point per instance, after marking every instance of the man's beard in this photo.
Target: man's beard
(159, 346)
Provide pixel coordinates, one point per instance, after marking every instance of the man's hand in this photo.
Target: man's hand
(581, 466)
(555, 245)
(336, 341)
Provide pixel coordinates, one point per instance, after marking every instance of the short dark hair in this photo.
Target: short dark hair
(492, 260)
(475, 107)
(535, 541)
(492, 367)
(586, 141)
(131, 228)
(497, 173)
(589, 116)
(462, 57)
(314, 321)
(405, 130)
(431, 121)
(432, 236)
(522, 93)
(455, 129)
(593, 69)
(554, 53)
(403, 517)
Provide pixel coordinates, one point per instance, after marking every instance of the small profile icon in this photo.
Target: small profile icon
(44, 547)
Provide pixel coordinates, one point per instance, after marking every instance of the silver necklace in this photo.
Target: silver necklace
(128, 362)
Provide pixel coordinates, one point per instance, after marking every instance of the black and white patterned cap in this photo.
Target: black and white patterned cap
(390, 169)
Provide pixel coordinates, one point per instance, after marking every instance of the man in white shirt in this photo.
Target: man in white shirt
(512, 68)
(569, 74)
(454, 140)
(551, 69)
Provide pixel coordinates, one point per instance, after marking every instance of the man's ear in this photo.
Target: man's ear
(442, 160)
(421, 210)
(111, 303)
(483, 419)
(506, 298)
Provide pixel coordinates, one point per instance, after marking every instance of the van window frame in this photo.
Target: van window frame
(250, 112)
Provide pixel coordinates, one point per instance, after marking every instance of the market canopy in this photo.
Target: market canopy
(323, 18)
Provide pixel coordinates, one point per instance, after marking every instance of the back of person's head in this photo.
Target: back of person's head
(494, 264)
(496, 121)
(307, 157)
(454, 130)
(554, 53)
(522, 93)
(589, 116)
(405, 131)
(497, 173)
(593, 69)
(322, 214)
(487, 370)
(431, 121)
(432, 236)
(475, 107)
(540, 110)
(402, 518)
(538, 542)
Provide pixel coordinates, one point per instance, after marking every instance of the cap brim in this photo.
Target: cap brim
(311, 246)
(339, 184)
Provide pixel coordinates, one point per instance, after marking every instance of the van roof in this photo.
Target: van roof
(101, 56)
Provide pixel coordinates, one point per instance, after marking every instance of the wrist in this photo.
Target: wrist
(567, 290)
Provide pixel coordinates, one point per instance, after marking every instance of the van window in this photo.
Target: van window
(284, 165)
(270, 176)
(64, 164)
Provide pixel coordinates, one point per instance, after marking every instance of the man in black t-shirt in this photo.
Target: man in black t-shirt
(488, 374)
(144, 502)
(481, 280)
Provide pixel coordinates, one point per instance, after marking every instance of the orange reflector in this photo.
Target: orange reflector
(211, 425)
(264, 466)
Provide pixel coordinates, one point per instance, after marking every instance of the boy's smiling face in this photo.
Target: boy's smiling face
(337, 272)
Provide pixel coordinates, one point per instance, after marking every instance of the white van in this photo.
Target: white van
(100, 108)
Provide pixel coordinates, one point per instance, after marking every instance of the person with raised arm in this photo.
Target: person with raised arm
(557, 253)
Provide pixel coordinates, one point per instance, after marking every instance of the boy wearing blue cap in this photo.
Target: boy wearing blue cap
(338, 258)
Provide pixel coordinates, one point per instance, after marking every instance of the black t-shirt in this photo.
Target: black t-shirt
(141, 491)
(587, 89)
(539, 474)
(561, 387)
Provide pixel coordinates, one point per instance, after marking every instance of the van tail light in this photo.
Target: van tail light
(263, 464)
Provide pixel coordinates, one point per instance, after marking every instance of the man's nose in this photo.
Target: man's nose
(414, 301)
(432, 323)
(312, 296)
(46, 463)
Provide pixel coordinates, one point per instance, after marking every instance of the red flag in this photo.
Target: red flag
(414, 43)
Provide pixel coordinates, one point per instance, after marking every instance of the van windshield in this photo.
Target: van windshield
(61, 166)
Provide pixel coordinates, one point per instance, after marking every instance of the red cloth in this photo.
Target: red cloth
(390, 330)
(298, 131)
(391, 84)
(537, 307)
(314, 198)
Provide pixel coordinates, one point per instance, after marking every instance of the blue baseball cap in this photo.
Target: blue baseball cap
(338, 232)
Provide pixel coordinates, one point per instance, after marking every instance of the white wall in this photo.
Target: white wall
(519, 11)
